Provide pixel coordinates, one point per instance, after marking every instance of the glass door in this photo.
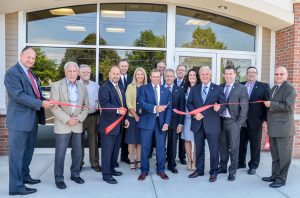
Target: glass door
(239, 61)
(196, 60)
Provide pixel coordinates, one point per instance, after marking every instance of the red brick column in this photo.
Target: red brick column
(288, 54)
(3, 136)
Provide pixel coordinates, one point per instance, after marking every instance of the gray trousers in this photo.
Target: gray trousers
(90, 125)
(229, 145)
(281, 151)
(21, 148)
(61, 144)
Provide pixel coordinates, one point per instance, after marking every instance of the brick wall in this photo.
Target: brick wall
(288, 54)
(3, 136)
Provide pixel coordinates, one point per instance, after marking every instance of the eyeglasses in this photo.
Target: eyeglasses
(279, 74)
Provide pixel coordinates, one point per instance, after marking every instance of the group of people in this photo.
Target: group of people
(238, 112)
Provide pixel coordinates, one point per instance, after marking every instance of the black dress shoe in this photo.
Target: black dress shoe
(32, 181)
(277, 184)
(117, 173)
(231, 177)
(61, 185)
(268, 179)
(212, 178)
(110, 180)
(195, 174)
(126, 160)
(173, 170)
(25, 192)
(78, 180)
(251, 171)
(183, 161)
(97, 168)
(221, 170)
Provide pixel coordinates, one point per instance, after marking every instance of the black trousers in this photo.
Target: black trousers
(253, 136)
(172, 148)
(181, 153)
(124, 146)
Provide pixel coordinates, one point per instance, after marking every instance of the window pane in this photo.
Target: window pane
(142, 25)
(198, 29)
(240, 65)
(68, 25)
(49, 68)
(136, 58)
(195, 62)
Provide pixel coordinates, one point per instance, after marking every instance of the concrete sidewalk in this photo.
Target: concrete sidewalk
(179, 185)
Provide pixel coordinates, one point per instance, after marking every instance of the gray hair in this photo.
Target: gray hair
(70, 63)
(169, 70)
(83, 66)
(180, 65)
(204, 68)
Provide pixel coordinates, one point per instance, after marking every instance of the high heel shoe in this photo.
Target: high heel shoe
(189, 166)
(138, 164)
(132, 166)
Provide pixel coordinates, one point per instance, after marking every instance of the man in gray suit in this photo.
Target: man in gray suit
(25, 110)
(68, 122)
(281, 127)
(233, 118)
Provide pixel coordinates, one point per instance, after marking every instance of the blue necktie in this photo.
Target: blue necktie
(204, 93)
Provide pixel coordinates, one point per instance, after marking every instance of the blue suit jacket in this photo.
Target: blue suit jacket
(23, 106)
(146, 98)
(109, 98)
(211, 121)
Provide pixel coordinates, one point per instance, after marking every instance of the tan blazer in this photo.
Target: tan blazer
(131, 97)
(59, 92)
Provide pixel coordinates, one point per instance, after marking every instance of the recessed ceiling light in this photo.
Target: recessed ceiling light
(222, 7)
(197, 22)
(75, 28)
(115, 30)
(62, 12)
(113, 13)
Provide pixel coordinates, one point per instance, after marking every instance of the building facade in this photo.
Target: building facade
(262, 33)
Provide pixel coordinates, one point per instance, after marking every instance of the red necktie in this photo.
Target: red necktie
(35, 89)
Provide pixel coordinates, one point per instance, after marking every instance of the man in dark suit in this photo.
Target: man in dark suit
(281, 127)
(257, 117)
(180, 82)
(111, 96)
(178, 102)
(206, 125)
(25, 110)
(124, 81)
(233, 118)
(155, 119)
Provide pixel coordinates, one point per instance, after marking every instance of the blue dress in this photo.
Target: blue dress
(186, 133)
(133, 132)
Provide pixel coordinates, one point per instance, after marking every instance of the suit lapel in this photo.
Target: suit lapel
(151, 89)
(279, 89)
(211, 88)
(253, 90)
(24, 75)
(64, 91)
(232, 89)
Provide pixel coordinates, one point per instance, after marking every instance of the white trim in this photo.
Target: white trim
(21, 31)
(171, 22)
(60, 45)
(272, 57)
(297, 116)
(2, 64)
(97, 43)
(258, 50)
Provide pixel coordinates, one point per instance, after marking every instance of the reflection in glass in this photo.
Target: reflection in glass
(195, 62)
(69, 25)
(142, 25)
(136, 58)
(198, 29)
(240, 65)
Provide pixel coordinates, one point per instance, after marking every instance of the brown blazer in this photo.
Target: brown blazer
(59, 92)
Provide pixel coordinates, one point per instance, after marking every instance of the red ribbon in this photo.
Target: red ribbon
(108, 129)
(201, 109)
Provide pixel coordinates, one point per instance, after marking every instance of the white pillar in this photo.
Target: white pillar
(2, 64)
(272, 57)
(258, 49)
(170, 59)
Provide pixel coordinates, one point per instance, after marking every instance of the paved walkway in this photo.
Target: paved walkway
(178, 186)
